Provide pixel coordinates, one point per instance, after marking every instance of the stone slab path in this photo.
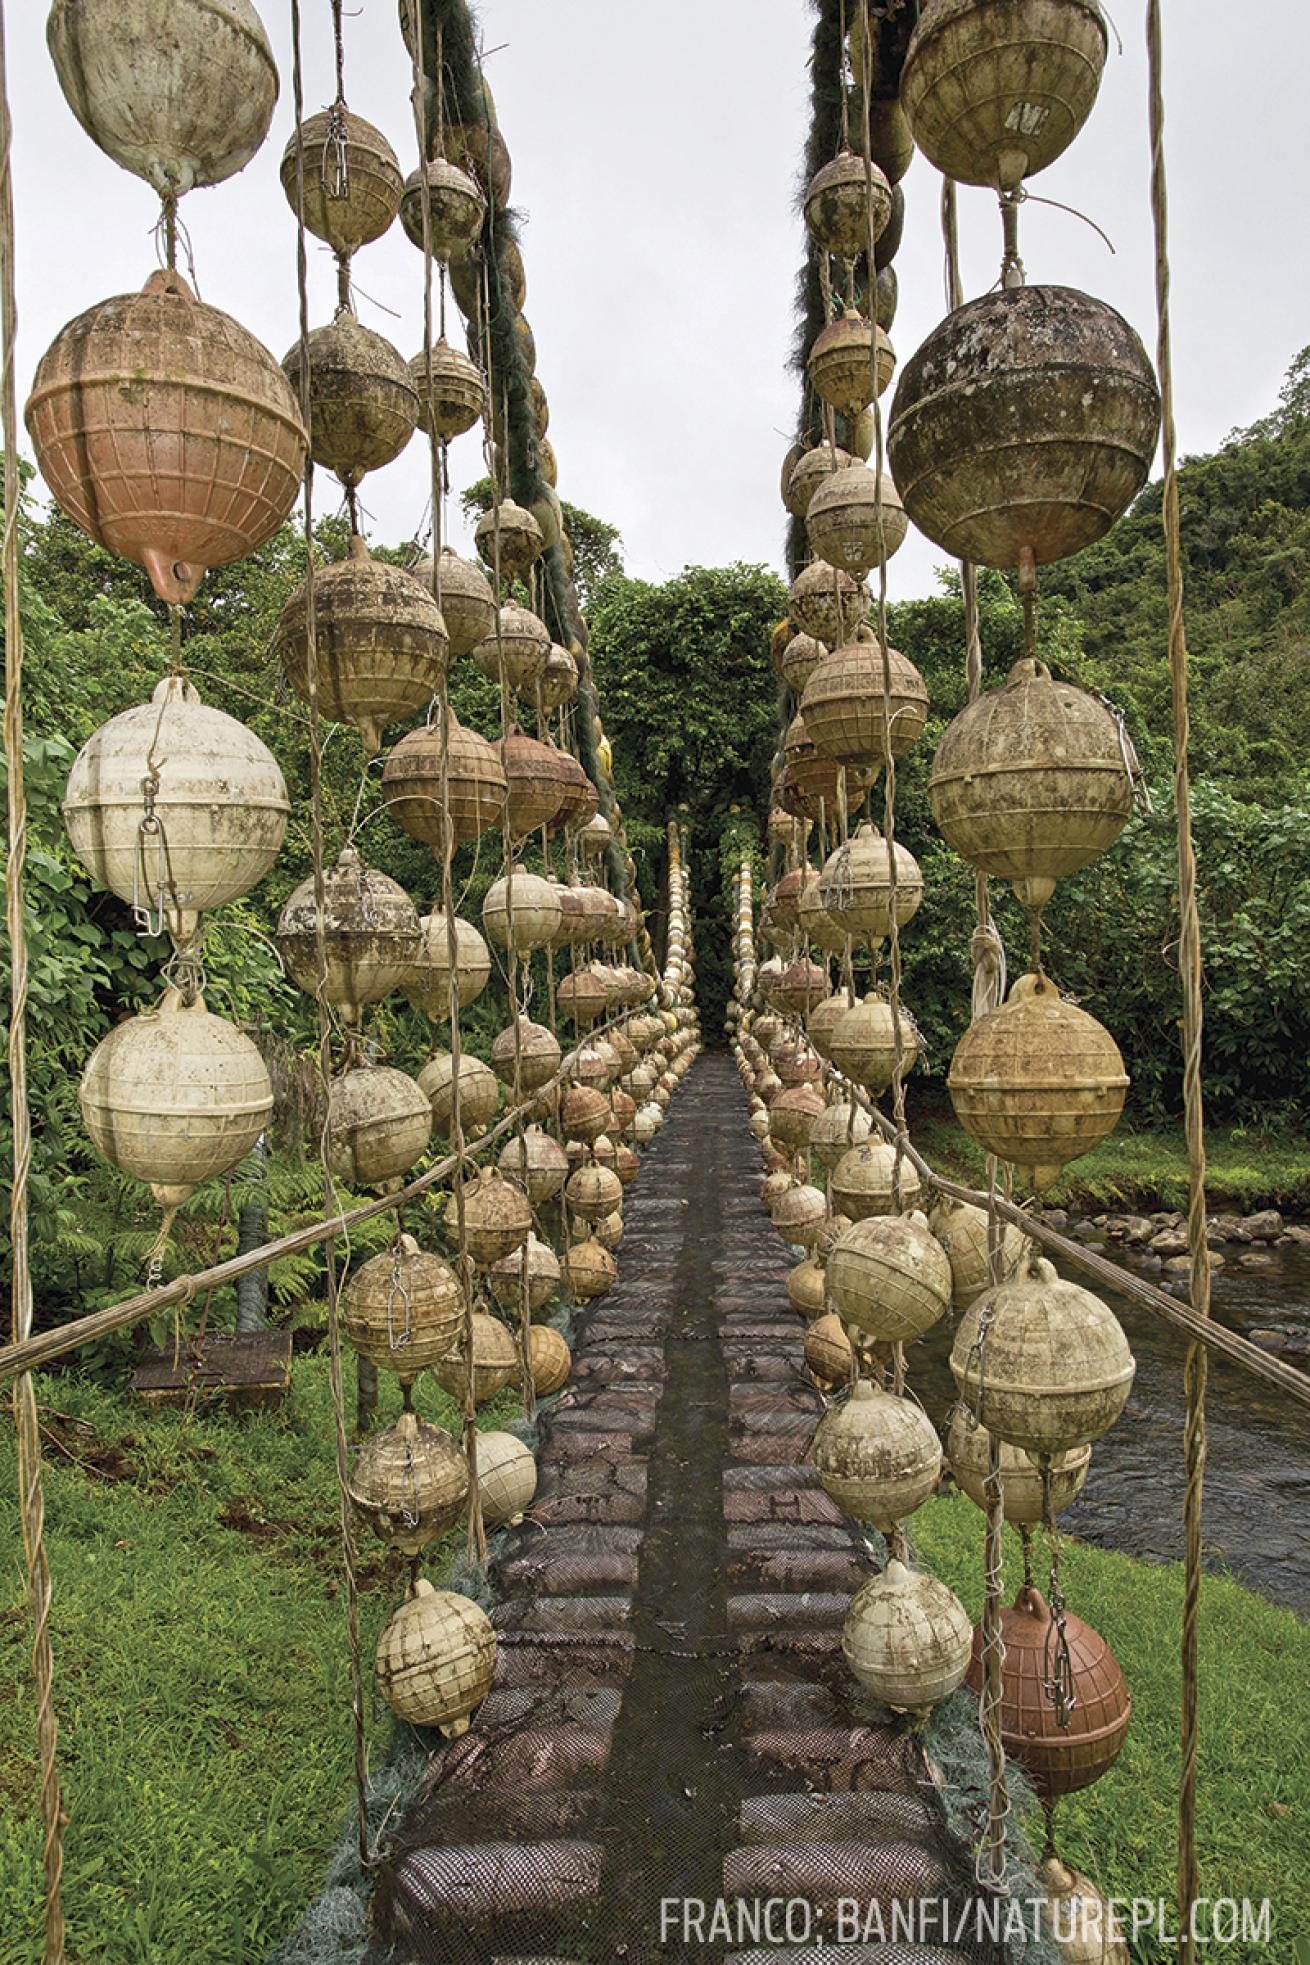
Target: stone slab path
(672, 1764)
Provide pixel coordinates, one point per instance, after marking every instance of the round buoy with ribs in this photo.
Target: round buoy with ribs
(167, 433)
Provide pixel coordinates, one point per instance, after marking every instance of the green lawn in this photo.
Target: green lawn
(1254, 1831)
(1141, 1170)
(202, 1680)
(202, 1674)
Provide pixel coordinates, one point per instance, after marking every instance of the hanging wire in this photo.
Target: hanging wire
(1190, 967)
(320, 992)
(31, 1492)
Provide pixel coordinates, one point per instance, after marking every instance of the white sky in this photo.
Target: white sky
(655, 159)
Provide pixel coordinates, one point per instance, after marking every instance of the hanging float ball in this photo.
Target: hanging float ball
(1032, 781)
(379, 1124)
(968, 1449)
(219, 799)
(847, 202)
(878, 1457)
(1037, 1081)
(436, 1658)
(1025, 425)
(427, 981)
(381, 645)
(179, 92)
(997, 89)
(1058, 1758)
(496, 1361)
(1055, 1370)
(456, 209)
(167, 433)
(351, 179)
(403, 1309)
(369, 935)
(507, 1479)
(175, 1096)
(409, 1484)
(907, 1639)
(363, 406)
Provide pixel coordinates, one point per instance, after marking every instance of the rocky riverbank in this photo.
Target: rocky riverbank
(1155, 1245)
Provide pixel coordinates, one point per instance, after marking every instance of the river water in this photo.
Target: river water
(1257, 1491)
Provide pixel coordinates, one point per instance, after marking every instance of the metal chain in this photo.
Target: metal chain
(1057, 1661)
(398, 1293)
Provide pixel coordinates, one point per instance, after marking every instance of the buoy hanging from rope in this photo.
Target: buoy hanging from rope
(113, 397)
(179, 92)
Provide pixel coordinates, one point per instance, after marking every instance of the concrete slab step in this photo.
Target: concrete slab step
(833, 1570)
(567, 1616)
(565, 1446)
(602, 1490)
(868, 1815)
(633, 1364)
(572, 1560)
(487, 1883)
(464, 1818)
(542, 1658)
(771, 1611)
(782, 1536)
(643, 1400)
(835, 1760)
(824, 1873)
(528, 1759)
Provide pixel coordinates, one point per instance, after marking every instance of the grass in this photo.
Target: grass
(202, 1672)
(1140, 1170)
(203, 1690)
(1254, 1806)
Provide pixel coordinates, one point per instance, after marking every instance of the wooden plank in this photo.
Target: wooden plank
(249, 1371)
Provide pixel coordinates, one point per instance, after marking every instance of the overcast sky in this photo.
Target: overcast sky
(655, 162)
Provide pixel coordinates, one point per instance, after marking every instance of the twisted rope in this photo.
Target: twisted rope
(477, 1545)
(888, 757)
(31, 1494)
(1189, 963)
(348, 1552)
(987, 951)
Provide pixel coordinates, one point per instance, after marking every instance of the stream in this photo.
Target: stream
(1257, 1490)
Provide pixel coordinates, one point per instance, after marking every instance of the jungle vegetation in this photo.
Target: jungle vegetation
(691, 704)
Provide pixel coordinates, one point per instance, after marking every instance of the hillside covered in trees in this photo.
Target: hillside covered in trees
(692, 706)
(693, 697)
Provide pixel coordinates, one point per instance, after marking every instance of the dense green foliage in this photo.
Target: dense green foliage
(690, 703)
(96, 643)
(1112, 931)
(1141, 1168)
